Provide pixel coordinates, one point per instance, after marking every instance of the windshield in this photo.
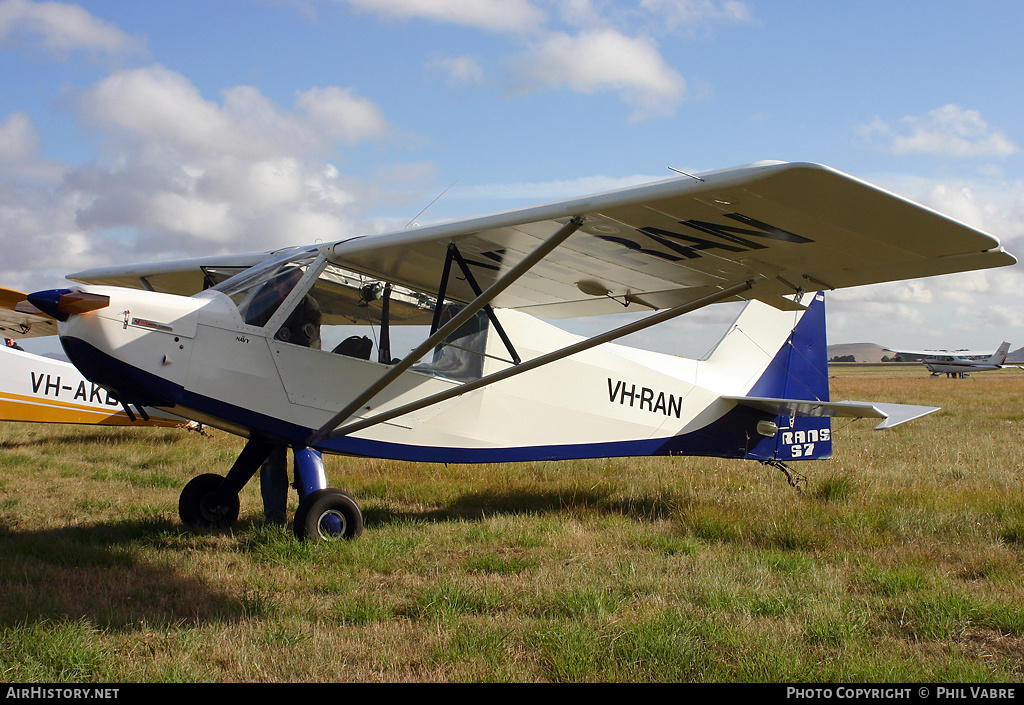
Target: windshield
(259, 291)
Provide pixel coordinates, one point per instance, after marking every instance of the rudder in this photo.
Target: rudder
(798, 371)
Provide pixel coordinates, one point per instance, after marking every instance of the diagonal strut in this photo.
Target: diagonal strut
(509, 278)
(647, 322)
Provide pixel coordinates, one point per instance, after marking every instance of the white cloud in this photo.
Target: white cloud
(156, 103)
(583, 13)
(20, 157)
(40, 240)
(491, 15)
(657, 16)
(998, 316)
(339, 114)
(182, 176)
(60, 28)
(691, 12)
(606, 60)
(461, 71)
(584, 46)
(946, 131)
(18, 138)
(160, 105)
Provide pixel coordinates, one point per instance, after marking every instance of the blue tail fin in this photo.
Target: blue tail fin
(798, 371)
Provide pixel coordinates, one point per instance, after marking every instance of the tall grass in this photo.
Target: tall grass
(903, 561)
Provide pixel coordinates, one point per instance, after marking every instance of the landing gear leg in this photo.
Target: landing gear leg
(324, 513)
(795, 479)
(210, 501)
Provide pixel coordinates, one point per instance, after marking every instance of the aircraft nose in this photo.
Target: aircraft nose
(48, 302)
(61, 303)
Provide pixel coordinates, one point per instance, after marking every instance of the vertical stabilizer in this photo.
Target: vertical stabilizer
(798, 371)
(1000, 355)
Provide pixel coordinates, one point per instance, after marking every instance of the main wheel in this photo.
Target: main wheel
(195, 509)
(328, 515)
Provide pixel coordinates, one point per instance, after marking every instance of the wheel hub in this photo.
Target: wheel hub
(331, 524)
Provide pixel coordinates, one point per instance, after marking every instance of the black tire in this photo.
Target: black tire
(328, 515)
(194, 509)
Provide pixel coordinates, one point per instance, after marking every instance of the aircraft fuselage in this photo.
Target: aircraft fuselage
(198, 358)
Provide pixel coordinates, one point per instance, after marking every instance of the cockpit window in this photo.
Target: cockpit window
(259, 291)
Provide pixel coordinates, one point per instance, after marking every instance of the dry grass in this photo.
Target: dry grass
(903, 561)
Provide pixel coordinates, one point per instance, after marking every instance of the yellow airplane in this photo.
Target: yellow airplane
(41, 389)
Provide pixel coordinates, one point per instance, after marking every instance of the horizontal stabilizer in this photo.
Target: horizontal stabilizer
(891, 414)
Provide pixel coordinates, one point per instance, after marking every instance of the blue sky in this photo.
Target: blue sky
(138, 131)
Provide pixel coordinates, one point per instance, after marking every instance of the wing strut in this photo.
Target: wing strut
(647, 322)
(509, 278)
(454, 253)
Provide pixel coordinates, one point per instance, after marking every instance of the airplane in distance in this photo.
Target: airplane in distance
(960, 363)
(275, 354)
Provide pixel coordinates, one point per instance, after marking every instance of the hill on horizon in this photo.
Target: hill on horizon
(862, 352)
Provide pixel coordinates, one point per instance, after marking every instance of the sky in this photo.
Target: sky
(144, 131)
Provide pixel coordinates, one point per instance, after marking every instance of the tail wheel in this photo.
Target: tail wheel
(328, 515)
(194, 505)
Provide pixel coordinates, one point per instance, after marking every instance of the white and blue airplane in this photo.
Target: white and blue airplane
(275, 354)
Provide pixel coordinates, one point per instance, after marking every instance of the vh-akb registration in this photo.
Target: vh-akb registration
(298, 350)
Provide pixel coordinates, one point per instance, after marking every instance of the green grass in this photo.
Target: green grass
(902, 561)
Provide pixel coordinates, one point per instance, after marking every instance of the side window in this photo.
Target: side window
(302, 327)
(367, 318)
(350, 313)
(461, 355)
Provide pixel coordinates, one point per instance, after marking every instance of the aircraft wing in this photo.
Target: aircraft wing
(891, 414)
(963, 352)
(788, 227)
(923, 353)
(182, 277)
(29, 323)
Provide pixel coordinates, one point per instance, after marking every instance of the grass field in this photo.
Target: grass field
(903, 561)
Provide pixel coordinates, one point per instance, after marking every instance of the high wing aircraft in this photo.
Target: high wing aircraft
(959, 363)
(273, 354)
